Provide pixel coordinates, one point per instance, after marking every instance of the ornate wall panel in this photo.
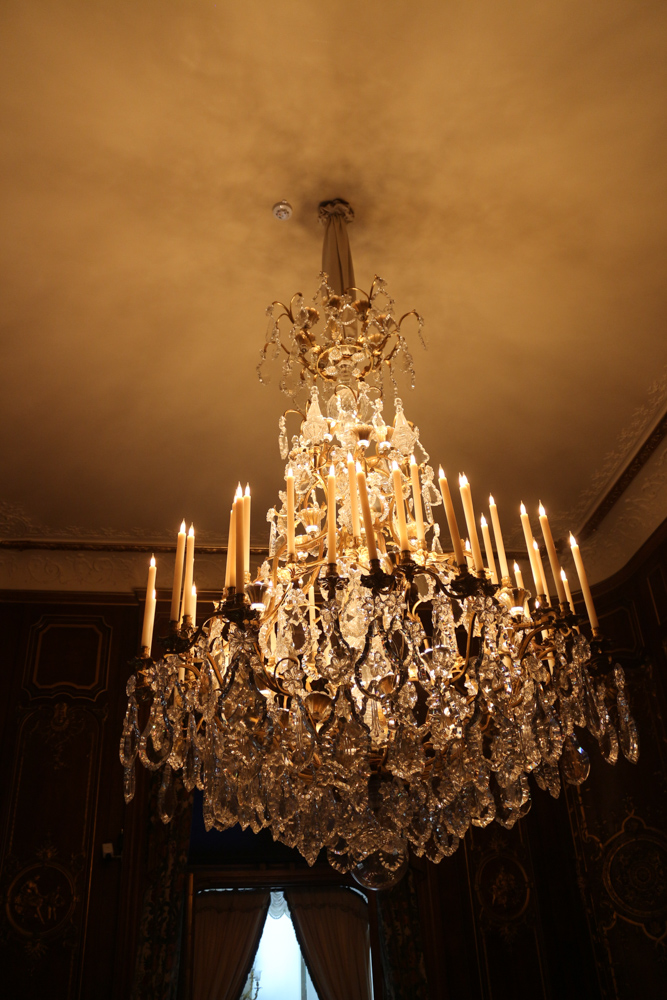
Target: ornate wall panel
(61, 796)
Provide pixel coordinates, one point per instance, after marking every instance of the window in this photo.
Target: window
(279, 971)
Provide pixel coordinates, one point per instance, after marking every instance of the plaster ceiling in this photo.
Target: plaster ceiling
(506, 166)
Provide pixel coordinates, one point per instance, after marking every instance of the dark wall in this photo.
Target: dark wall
(571, 903)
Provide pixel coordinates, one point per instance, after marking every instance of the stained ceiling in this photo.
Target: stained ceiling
(506, 167)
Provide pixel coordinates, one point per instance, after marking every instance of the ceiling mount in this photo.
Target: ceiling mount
(282, 210)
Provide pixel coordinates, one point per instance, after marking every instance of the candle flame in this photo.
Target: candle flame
(441, 473)
(290, 473)
(522, 508)
(239, 491)
(573, 540)
(191, 532)
(516, 567)
(482, 521)
(492, 502)
(332, 471)
(562, 575)
(463, 481)
(349, 457)
(543, 512)
(152, 562)
(394, 466)
(535, 545)
(413, 460)
(247, 489)
(360, 469)
(194, 590)
(183, 525)
(468, 549)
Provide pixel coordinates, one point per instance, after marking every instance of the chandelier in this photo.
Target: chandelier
(368, 692)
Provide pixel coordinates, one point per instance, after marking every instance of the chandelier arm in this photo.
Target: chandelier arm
(215, 668)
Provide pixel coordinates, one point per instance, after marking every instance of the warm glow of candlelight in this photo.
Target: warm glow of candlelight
(542, 511)
(482, 521)
(522, 508)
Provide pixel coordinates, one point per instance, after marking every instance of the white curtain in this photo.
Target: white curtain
(332, 928)
(227, 928)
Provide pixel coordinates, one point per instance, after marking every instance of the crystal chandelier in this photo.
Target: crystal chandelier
(367, 691)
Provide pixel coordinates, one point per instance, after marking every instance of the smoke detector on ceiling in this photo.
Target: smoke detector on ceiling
(282, 210)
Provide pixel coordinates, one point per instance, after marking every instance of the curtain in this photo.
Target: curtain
(161, 924)
(332, 929)
(227, 929)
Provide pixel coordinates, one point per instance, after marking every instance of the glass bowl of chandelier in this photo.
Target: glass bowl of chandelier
(368, 693)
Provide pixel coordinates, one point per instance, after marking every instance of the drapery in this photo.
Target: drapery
(227, 928)
(332, 929)
(336, 253)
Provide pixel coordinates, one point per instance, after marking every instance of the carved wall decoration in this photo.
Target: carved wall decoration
(634, 873)
(68, 653)
(503, 888)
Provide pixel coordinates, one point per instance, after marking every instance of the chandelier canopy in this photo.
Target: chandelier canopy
(367, 692)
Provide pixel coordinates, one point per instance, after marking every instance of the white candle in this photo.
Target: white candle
(519, 577)
(500, 546)
(528, 535)
(230, 570)
(331, 517)
(568, 592)
(544, 589)
(193, 604)
(312, 622)
(189, 569)
(468, 552)
(240, 533)
(246, 531)
(583, 581)
(551, 552)
(291, 527)
(397, 478)
(149, 606)
(354, 504)
(486, 535)
(450, 514)
(175, 612)
(417, 501)
(466, 500)
(366, 513)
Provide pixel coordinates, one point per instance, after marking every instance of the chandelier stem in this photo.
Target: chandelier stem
(335, 215)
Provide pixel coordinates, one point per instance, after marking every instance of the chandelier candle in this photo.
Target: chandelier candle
(291, 527)
(583, 582)
(240, 541)
(189, 571)
(246, 533)
(149, 607)
(500, 546)
(331, 517)
(540, 569)
(528, 535)
(175, 613)
(417, 502)
(230, 567)
(230, 573)
(568, 592)
(354, 503)
(489, 549)
(519, 577)
(366, 513)
(397, 478)
(466, 500)
(193, 604)
(452, 523)
(551, 552)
